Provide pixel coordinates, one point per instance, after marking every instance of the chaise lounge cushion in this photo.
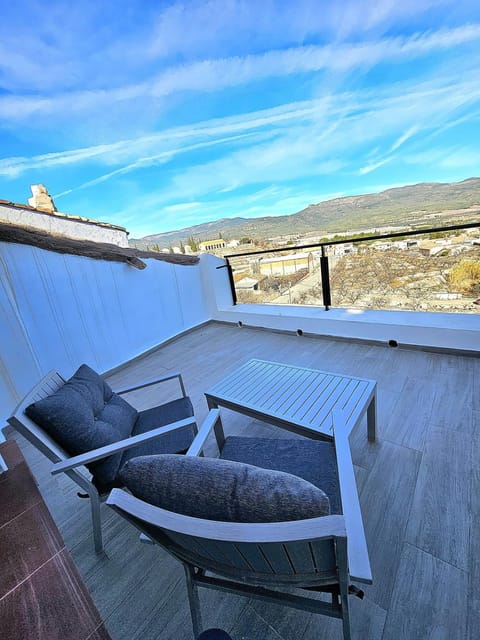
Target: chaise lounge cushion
(222, 490)
(85, 414)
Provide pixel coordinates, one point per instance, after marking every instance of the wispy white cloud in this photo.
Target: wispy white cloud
(182, 206)
(132, 148)
(61, 46)
(15, 165)
(350, 113)
(70, 45)
(403, 138)
(448, 157)
(148, 161)
(323, 148)
(311, 138)
(213, 26)
(374, 165)
(218, 74)
(381, 159)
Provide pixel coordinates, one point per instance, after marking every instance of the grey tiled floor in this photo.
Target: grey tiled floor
(419, 493)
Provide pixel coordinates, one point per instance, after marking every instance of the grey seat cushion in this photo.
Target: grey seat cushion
(312, 460)
(85, 414)
(174, 442)
(222, 490)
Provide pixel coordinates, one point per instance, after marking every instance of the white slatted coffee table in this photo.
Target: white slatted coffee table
(295, 398)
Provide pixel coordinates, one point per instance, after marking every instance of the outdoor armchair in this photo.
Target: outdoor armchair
(82, 423)
(269, 515)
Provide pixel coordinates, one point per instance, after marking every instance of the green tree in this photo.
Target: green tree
(182, 247)
(192, 243)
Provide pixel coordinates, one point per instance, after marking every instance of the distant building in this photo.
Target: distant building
(344, 249)
(286, 265)
(41, 214)
(248, 284)
(432, 251)
(212, 245)
(383, 246)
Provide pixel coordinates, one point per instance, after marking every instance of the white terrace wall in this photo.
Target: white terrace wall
(57, 311)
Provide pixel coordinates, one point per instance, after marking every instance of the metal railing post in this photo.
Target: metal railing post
(327, 300)
(230, 279)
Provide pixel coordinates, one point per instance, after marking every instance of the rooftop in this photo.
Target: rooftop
(58, 214)
(418, 486)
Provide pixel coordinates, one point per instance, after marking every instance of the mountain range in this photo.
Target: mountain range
(430, 203)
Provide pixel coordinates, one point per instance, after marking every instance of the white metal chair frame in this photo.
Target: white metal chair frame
(318, 554)
(73, 466)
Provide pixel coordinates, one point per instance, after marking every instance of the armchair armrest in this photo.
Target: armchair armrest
(116, 447)
(258, 532)
(148, 383)
(358, 558)
(196, 448)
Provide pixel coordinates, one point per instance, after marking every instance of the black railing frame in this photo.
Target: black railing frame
(231, 281)
(325, 277)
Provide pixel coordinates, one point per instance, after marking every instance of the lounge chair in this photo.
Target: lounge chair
(81, 423)
(270, 515)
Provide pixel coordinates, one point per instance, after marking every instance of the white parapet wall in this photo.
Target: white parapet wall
(58, 311)
(442, 331)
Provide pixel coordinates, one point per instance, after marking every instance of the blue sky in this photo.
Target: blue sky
(156, 116)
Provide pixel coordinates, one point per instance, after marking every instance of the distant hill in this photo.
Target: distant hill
(415, 205)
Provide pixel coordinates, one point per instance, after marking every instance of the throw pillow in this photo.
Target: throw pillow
(222, 490)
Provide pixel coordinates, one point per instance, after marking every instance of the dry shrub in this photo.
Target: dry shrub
(465, 277)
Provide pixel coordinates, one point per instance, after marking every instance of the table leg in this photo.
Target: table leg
(372, 418)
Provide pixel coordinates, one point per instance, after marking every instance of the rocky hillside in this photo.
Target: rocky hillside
(414, 204)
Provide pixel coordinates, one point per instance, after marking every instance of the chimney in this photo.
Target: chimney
(41, 199)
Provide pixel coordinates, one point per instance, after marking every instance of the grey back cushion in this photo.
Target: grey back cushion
(222, 490)
(83, 415)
